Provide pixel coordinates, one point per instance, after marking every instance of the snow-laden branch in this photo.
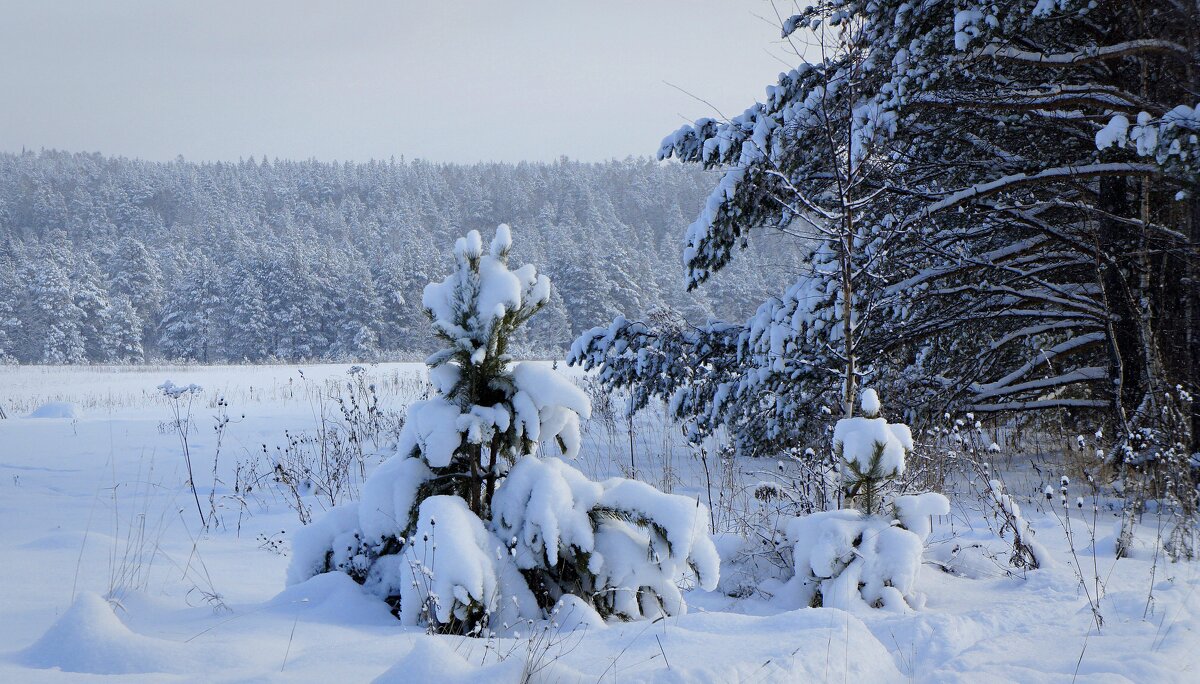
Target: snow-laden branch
(1020, 179)
(1036, 404)
(1069, 301)
(1045, 357)
(1086, 55)
(1100, 97)
(1089, 374)
(946, 269)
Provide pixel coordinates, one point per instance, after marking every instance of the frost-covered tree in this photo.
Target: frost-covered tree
(497, 407)
(468, 526)
(247, 318)
(134, 272)
(189, 328)
(90, 297)
(9, 323)
(122, 334)
(51, 328)
(870, 451)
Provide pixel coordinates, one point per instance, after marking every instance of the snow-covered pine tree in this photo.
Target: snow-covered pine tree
(474, 314)
(190, 328)
(134, 272)
(246, 317)
(90, 297)
(467, 527)
(51, 328)
(804, 164)
(9, 323)
(122, 334)
(870, 451)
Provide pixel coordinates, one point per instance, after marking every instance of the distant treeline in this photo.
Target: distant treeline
(116, 260)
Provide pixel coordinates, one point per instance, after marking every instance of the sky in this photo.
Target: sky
(460, 81)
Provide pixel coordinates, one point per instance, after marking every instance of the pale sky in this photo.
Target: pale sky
(460, 81)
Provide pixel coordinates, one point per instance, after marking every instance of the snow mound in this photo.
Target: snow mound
(450, 567)
(331, 598)
(56, 409)
(870, 402)
(432, 660)
(573, 613)
(914, 511)
(90, 638)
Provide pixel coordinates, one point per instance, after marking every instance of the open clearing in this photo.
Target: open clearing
(97, 505)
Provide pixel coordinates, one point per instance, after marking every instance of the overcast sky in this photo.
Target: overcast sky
(465, 80)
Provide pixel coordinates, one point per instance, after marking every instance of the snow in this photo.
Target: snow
(311, 542)
(965, 28)
(543, 506)
(846, 560)
(433, 660)
(857, 440)
(683, 519)
(432, 428)
(471, 301)
(870, 403)
(63, 485)
(549, 406)
(56, 409)
(916, 511)
(1115, 132)
(449, 562)
(90, 638)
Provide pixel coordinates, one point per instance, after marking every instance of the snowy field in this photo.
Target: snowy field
(106, 573)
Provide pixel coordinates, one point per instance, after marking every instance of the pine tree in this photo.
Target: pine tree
(51, 323)
(190, 328)
(10, 325)
(122, 333)
(246, 316)
(90, 297)
(467, 527)
(134, 273)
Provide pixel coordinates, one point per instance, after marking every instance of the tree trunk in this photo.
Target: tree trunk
(1116, 244)
(491, 474)
(476, 455)
(1191, 332)
(847, 264)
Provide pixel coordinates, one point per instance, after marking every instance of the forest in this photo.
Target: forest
(117, 260)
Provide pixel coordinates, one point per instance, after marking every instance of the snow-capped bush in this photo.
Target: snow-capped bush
(848, 557)
(466, 527)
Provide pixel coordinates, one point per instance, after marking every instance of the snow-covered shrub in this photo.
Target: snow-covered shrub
(848, 557)
(466, 527)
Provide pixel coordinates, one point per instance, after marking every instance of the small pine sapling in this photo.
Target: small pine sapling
(516, 533)
(849, 556)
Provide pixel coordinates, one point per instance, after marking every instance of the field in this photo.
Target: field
(106, 572)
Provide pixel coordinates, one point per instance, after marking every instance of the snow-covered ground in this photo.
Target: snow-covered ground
(94, 505)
